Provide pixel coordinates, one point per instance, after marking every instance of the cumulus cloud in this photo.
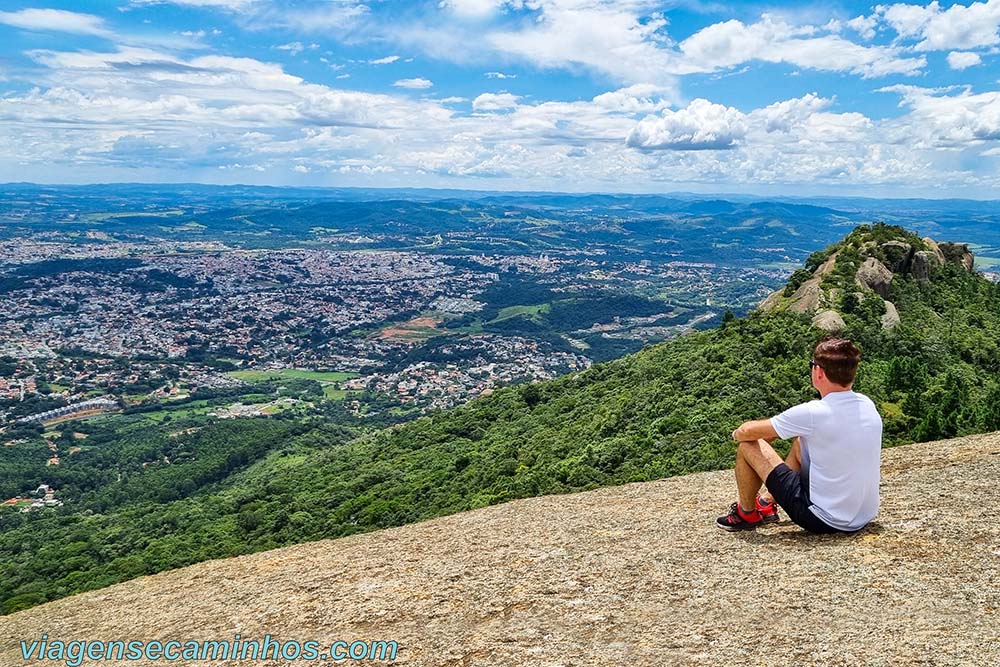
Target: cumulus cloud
(628, 41)
(957, 27)
(495, 101)
(864, 26)
(639, 98)
(56, 20)
(963, 59)
(783, 116)
(937, 119)
(499, 75)
(733, 42)
(415, 84)
(701, 126)
(623, 40)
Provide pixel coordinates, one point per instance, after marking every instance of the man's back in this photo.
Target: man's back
(841, 444)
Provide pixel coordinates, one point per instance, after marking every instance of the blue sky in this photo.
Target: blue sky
(573, 95)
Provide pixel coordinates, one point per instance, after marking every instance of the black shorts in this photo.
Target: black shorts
(786, 486)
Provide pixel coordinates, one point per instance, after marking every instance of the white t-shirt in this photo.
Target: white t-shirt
(841, 444)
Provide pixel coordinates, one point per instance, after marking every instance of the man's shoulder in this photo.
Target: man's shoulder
(864, 399)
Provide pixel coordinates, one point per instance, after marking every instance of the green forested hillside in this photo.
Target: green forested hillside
(666, 410)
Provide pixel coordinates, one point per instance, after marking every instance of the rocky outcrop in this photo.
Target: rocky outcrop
(958, 253)
(934, 248)
(829, 321)
(875, 276)
(807, 298)
(898, 255)
(895, 259)
(890, 320)
(627, 575)
(772, 301)
(924, 262)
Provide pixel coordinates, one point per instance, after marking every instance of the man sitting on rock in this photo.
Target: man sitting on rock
(829, 483)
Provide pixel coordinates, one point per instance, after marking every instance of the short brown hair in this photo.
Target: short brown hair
(839, 358)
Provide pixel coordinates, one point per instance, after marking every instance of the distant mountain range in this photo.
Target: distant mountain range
(738, 230)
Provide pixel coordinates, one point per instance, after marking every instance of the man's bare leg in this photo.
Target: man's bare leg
(754, 462)
(793, 461)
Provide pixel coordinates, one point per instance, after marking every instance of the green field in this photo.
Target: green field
(986, 262)
(530, 312)
(781, 266)
(100, 217)
(335, 394)
(275, 374)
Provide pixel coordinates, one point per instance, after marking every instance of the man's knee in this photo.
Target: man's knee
(795, 454)
(760, 455)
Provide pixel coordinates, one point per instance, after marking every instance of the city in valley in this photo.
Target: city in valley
(215, 304)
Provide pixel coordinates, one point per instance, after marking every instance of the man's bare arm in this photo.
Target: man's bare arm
(756, 430)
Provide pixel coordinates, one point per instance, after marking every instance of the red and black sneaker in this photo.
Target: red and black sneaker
(768, 510)
(737, 519)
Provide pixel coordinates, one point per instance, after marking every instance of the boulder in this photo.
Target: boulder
(873, 275)
(829, 321)
(958, 253)
(890, 319)
(898, 255)
(934, 248)
(772, 301)
(806, 297)
(922, 263)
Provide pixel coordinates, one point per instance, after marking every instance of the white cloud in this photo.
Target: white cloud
(474, 9)
(295, 48)
(864, 26)
(639, 98)
(499, 75)
(301, 169)
(732, 43)
(937, 119)
(231, 5)
(56, 20)
(963, 59)
(383, 61)
(627, 41)
(618, 39)
(701, 126)
(171, 116)
(957, 27)
(309, 18)
(418, 83)
(495, 101)
(783, 116)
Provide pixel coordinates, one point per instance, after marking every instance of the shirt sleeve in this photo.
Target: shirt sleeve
(796, 420)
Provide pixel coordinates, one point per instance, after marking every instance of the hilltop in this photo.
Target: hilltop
(664, 411)
(634, 574)
(856, 276)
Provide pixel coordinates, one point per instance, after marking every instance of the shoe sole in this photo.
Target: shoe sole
(729, 529)
(774, 518)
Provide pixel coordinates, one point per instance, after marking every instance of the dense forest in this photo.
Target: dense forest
(665, 410)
